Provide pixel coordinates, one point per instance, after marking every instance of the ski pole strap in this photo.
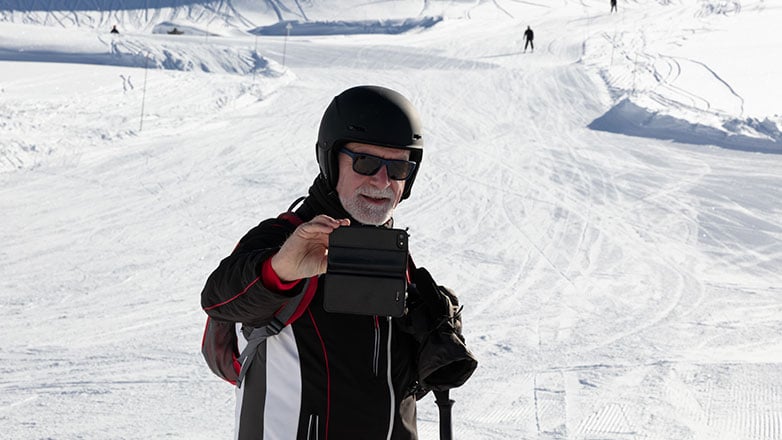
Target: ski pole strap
(259, 334)
(444, 403)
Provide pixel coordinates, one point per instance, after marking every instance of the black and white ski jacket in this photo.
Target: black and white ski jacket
(327, 375)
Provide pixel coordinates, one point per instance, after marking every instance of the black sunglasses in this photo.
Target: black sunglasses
(369, 165)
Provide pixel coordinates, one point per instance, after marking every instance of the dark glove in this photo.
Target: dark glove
(434, 320)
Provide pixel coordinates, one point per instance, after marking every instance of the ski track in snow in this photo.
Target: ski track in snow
(615, 287)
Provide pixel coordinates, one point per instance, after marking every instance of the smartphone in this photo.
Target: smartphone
(367, 271)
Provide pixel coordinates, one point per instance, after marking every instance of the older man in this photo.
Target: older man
(336, 375)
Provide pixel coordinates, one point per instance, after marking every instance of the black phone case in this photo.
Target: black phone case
(366, 273)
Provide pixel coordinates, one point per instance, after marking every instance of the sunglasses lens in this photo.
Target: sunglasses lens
(400, 169)
(366, 165)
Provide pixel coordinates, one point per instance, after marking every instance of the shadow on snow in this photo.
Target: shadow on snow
(347, 27)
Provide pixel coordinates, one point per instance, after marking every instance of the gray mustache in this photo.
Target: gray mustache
(376, 193)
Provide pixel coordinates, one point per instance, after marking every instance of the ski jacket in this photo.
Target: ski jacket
(529, 35)
(327, 375)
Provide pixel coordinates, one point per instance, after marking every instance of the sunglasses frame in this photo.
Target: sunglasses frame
(383, 162)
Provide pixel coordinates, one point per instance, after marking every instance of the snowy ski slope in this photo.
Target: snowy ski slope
(607, 207)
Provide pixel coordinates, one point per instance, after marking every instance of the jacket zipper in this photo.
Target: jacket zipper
(391, 396)
(312, 427)
(376, 351)
(376, 370)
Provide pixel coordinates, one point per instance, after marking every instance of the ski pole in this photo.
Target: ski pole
(444, 403)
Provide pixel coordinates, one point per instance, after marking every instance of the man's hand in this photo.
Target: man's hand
(304, 253)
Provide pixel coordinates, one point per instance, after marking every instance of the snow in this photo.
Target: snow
(607, 207)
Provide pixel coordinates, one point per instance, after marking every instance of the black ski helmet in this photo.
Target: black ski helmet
(369, 115)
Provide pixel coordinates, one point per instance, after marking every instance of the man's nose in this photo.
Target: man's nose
(380, 178)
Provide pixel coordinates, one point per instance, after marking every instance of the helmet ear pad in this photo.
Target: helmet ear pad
(416, 155)
(328, 160)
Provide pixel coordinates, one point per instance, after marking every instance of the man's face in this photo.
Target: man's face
(369, 199)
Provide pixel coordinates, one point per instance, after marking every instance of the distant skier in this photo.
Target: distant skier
(114, 29)
(613, 6)
(529, 36)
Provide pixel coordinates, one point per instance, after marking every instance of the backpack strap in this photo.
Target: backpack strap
(280, 319)
(274, 327)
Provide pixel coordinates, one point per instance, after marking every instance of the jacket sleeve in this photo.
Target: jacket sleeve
(235, 291)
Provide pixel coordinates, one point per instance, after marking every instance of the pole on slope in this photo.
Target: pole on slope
(635, 71)
(288, 28)
(255, 55)
(444, 403)
(144, 91)
(613, 47)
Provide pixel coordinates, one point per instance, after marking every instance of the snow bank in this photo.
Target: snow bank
(629, 118)
(185, 55)
(171, 52)
(682, 85)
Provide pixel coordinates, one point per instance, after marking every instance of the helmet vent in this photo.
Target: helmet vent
(356, 128)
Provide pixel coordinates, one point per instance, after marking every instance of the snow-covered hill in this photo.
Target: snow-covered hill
(226, 17)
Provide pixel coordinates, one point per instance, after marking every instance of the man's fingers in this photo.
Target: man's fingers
(327, 220)
(304, 253)
(322, 224)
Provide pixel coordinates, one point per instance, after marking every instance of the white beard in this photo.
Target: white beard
(366, 213)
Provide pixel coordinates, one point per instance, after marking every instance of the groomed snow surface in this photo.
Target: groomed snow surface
(607, 207)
